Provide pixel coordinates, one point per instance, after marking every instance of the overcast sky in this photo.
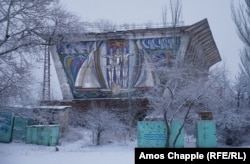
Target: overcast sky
(218, 13)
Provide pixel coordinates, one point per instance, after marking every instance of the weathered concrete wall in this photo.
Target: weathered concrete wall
(63, 81)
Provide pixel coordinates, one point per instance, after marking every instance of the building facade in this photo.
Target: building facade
(116, 64)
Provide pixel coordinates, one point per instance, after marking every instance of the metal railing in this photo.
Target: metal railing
(92, 27)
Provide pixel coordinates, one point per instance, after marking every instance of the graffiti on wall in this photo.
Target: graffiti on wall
(96, 69)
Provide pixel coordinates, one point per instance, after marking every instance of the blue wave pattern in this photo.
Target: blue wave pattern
(166, 43)
(155, 136)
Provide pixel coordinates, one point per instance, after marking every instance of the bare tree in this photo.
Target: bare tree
(14, 74)
(25, 28)
(185, 93)
(232, 119)
(223, 100)
(18, 20)
(102, 121)
(176, 12)
(175, 9)
(178, 93)
(164, 15)
(24, 24)
(241, 16)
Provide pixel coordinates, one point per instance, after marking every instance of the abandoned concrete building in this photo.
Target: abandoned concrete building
(108, 67)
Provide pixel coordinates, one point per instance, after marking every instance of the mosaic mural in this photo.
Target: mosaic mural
(98, 69)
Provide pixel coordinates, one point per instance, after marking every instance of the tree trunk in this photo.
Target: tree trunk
(98, 136)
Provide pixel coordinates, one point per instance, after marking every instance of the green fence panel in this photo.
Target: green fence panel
(206, 134)
(6, 126)
(151, 134)
(175, 130)
(20, 128)
(154, 134)
(31, 136)
(43, 134)
(18, 135)
(54, 135)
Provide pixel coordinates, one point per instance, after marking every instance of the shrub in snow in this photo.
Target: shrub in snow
(103, 122)
(233, 127)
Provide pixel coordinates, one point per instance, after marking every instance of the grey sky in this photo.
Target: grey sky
(218, 13)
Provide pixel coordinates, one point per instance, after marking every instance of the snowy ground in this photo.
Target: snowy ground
(73, 149)
(20, 153)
